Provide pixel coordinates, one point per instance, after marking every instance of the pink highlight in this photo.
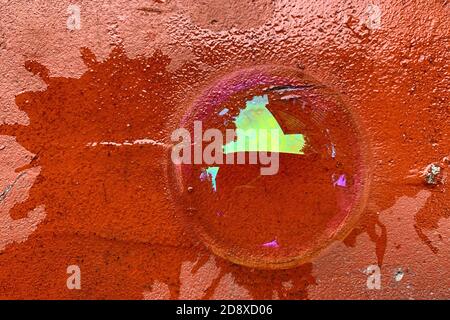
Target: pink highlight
(271, 244)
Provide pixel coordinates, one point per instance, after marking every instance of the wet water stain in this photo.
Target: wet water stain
(107, 207)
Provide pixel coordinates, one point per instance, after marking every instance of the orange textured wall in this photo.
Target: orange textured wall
(131, 69)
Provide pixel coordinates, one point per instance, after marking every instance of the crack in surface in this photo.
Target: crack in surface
(9, 187)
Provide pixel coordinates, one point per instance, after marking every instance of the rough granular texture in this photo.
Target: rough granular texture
(86, 117)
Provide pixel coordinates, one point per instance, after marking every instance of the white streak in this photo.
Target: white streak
(144, 141)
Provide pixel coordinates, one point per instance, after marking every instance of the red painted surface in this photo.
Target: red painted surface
(133, 70)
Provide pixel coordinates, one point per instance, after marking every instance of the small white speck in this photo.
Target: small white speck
(398, 276)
